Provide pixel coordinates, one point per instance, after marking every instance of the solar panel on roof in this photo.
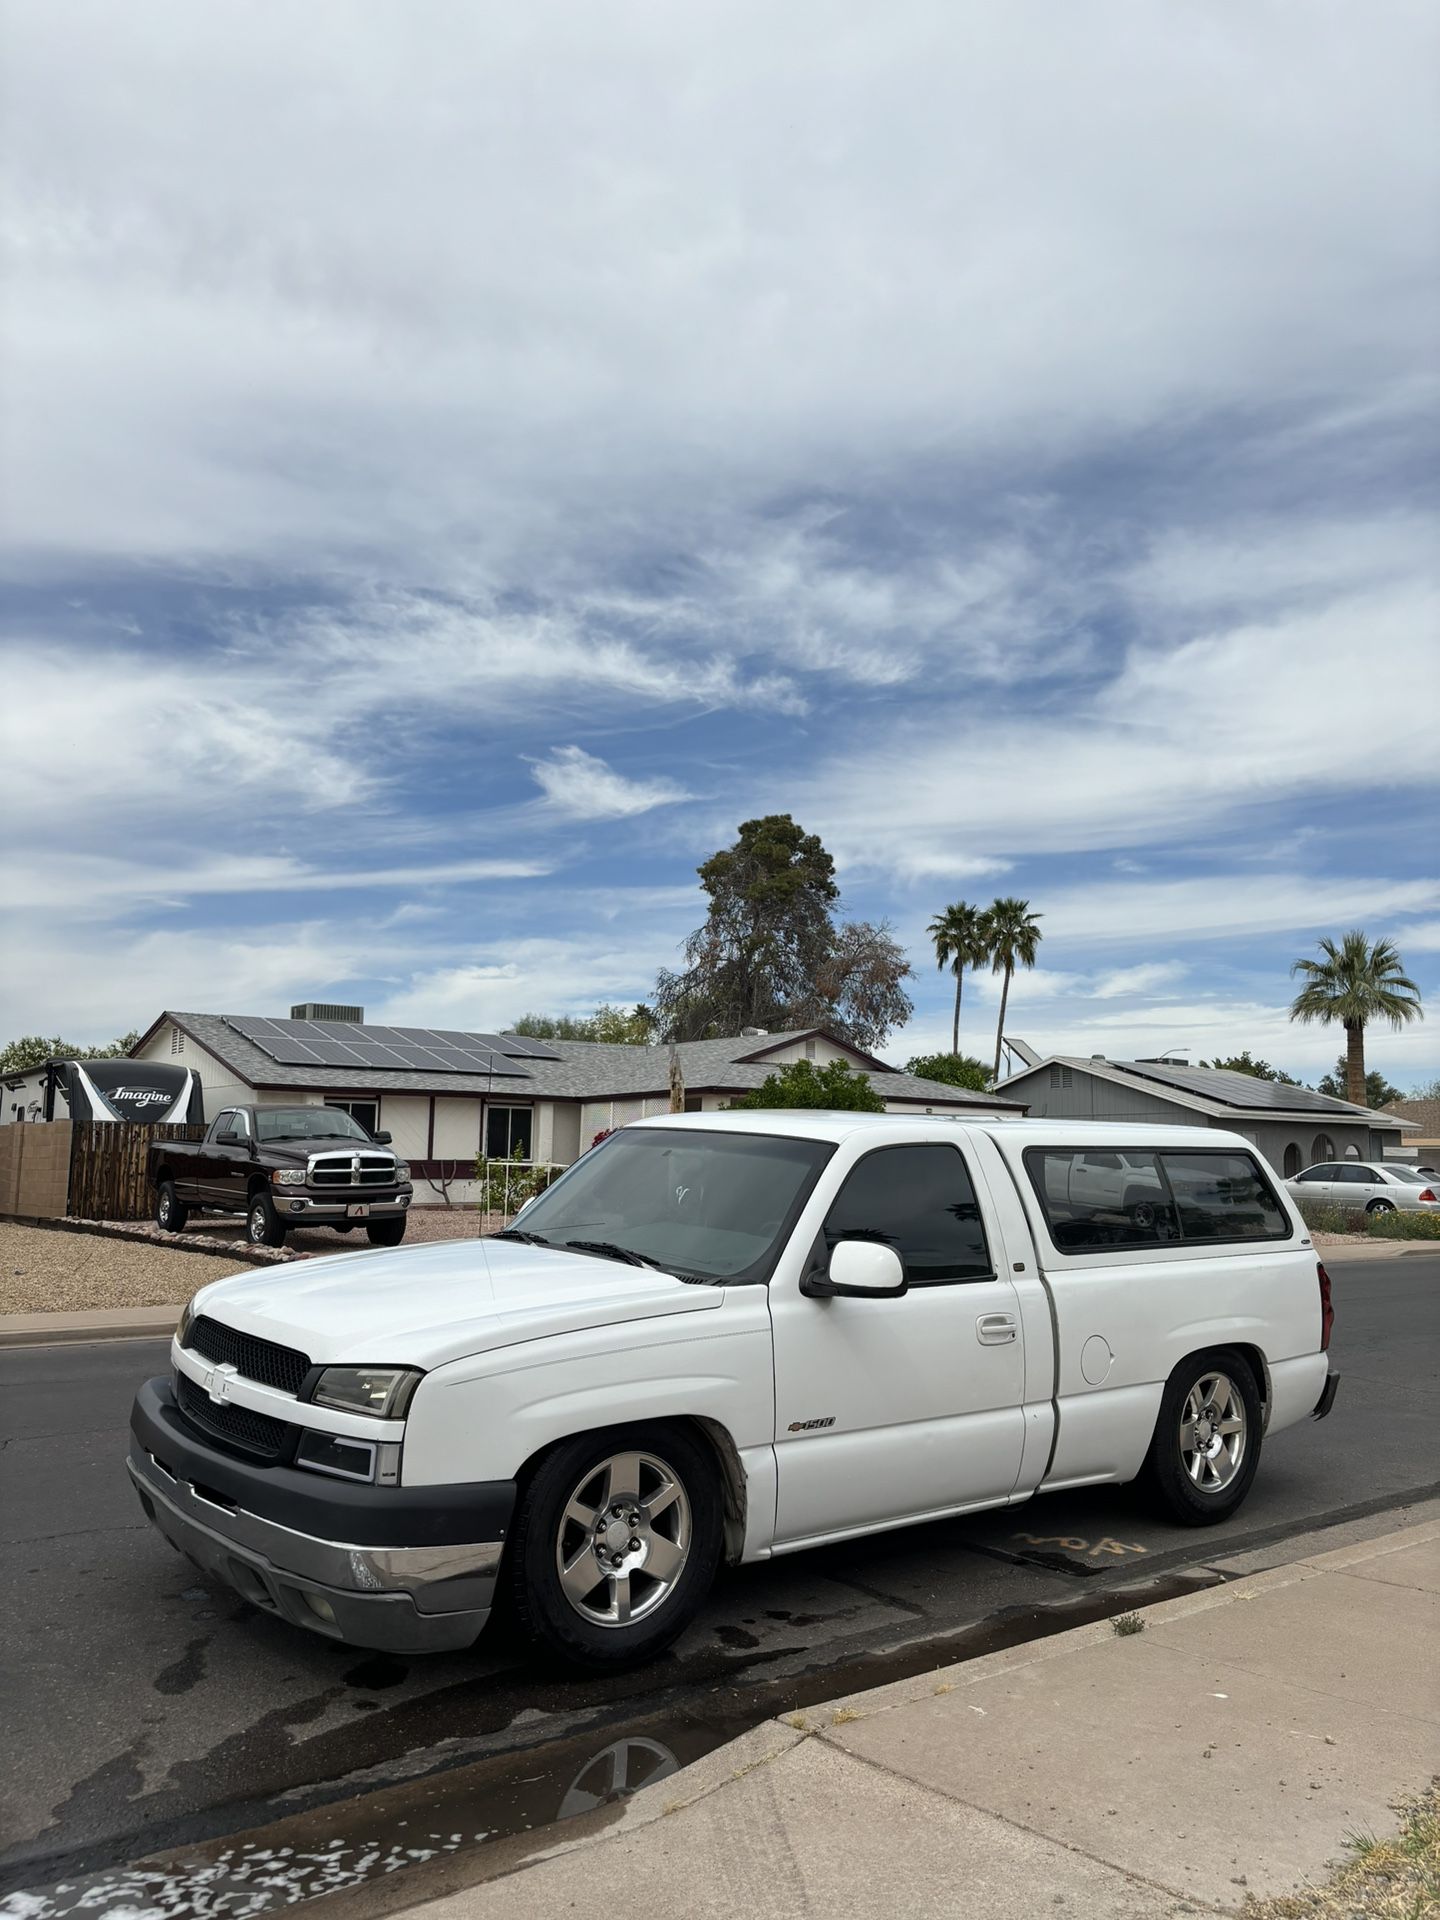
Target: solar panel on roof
(343, 1043)
(1236, 1089)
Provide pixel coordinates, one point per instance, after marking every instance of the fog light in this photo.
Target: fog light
(297, 1206)
(320, 1607)
(404, 1199)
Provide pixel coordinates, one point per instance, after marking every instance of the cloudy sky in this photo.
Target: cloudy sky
(460, 461)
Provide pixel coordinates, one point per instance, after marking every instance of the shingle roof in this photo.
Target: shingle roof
(1425, 1114)
(584, 1070)
(1129, 1073)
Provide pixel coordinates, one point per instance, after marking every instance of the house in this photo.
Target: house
(1292, 1127)
(464, 1094)
(1423, 1146)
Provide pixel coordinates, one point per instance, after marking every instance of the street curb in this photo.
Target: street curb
(1365, 1249)
(65, 1329)
(147, 1236)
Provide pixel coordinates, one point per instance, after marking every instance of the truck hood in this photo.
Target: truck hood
(424, 1305)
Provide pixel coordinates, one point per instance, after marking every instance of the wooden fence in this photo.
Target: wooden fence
(108, 1168)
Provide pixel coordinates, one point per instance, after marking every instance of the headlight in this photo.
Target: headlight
(383, 1392)
(402, 1172)
(288, 1177)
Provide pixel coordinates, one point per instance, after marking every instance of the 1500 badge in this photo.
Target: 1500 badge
(810, 1426)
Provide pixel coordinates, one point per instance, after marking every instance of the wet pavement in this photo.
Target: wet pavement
(156, 1716)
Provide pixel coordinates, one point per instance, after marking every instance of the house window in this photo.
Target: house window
(809, 1049)
(507, 1133)
(1323, 1148)
(1294, 1161)
(367, 1112)
(177, 1040)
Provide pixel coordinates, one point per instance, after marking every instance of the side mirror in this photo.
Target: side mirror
(382, 1138)
(228, 1138)
(859, 1270)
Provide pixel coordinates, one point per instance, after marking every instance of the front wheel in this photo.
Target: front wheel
(263, 1226)
(616, 1542)
(1207, 1440)
(170, 1210)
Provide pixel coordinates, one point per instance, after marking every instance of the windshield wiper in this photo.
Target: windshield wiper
(610, 1251)
(519, 1233)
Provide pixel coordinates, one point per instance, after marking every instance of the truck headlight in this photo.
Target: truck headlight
(402, 1172)
(288, 1177)
(383, 1392)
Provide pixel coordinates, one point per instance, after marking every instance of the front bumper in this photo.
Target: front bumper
(297, 1204)
(1327, 1398)
(388, 1568)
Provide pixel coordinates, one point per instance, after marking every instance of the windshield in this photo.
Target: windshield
(715, 1206)
(308, 1123)
(1412, 1176)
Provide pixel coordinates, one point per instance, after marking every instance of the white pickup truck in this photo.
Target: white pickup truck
(731, 1336)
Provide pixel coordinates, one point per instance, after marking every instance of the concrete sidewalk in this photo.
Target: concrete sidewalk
(1226, 1750)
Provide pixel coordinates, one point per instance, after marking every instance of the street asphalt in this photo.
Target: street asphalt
(147, 1709)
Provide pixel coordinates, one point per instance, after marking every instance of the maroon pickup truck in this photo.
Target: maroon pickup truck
(284, 1167)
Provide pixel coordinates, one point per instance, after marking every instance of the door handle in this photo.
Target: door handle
(995, 1329)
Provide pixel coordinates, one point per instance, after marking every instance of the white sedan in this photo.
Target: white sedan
(1377, 1186)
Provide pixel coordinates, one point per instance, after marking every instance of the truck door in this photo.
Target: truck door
(223, 1162)
(889, 1409)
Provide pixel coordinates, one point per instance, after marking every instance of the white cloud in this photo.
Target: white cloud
(1150, 977)
(582, 787)
(84, 886)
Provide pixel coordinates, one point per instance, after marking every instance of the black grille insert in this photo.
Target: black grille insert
(253, 1433)
(264, 1361)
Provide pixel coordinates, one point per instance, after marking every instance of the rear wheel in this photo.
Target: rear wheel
(616, 1542)
(1207, 1439)
(1381, 1206)
(386, 1233)
(170, 1211)
(263, 1226)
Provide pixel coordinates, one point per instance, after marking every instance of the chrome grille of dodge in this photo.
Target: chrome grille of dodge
(352, 1170)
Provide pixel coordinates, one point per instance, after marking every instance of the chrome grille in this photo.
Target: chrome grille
(352, 1170)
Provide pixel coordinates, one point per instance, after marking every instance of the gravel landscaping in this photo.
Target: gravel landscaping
(51, 1270)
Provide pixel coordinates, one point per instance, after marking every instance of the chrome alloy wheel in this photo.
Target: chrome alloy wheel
(257, 1224)
(165, 1208)
(1212, 1432)
(623, 1540)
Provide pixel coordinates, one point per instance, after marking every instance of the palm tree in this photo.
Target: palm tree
(1011, 937)
(959, 937)
(1354, 984)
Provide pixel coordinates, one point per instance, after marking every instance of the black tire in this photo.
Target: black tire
(543, 1531)
(263, 1226)
(171, 1213)
(1381, 1206)
(1167, 1473)
(386, 1233)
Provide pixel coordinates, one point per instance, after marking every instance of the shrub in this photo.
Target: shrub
(505, 1185)
(1327, 1216)
(800, 1084)
(1404, 1226)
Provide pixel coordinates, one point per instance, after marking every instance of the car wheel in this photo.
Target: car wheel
(170, 1212)
(386, 1233)
(615, 1545)
(1381, 1206)
(263, 1226)
(1207, 1439)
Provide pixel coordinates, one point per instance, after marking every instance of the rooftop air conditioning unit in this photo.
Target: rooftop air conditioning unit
(317, 1010)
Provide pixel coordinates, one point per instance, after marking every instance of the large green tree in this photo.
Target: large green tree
(802, 1084)
(1378, 1090)
(1355, 984)
(1257, 1069)
(771, 952)
(952, 1069)
(1012, 936)
(33, 1050)
(958, 935)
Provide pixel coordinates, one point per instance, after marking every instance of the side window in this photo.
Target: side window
(1358, 1176)
(1093, 1200)
(1223, 1196)
(920, 1201)
(240, 1121)
(224, 1123)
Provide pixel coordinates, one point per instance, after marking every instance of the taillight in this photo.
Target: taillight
(1327, 1311)
(1427, 1193)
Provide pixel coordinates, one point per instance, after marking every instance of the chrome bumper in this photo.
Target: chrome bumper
(399, 1599)
(291, 1205)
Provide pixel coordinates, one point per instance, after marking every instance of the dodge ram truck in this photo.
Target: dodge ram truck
(284, 1167)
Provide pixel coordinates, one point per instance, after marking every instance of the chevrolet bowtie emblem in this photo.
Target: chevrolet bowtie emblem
(217, 1382)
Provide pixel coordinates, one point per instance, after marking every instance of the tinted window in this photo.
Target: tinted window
(1223, 1196)
(1094, 1200)
(1317, 1173)
(1153, 1199)
(919, 1201)
(1411, 1176)
(1356, 1176)
(507, 1133)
